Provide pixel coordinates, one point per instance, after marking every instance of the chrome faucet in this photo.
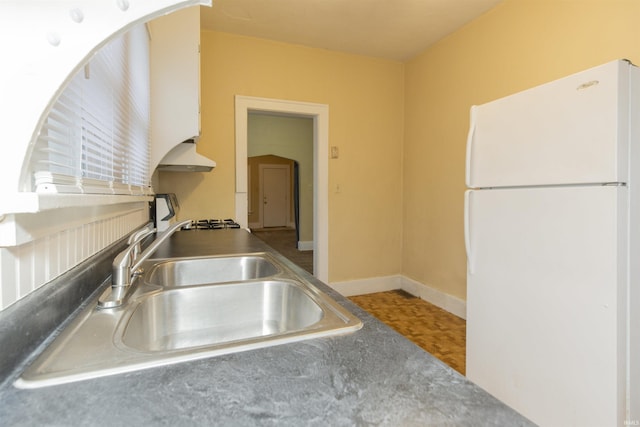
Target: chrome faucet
(126, 264)
(136, 239)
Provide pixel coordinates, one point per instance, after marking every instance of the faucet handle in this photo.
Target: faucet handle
(137, 234)
(136, 237)
(122, 263)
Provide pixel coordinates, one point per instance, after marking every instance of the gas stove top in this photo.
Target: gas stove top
(213, 224)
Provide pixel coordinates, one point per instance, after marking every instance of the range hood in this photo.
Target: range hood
(183, 158)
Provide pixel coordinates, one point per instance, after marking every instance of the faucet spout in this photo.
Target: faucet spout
(156, 243)
(127, 262)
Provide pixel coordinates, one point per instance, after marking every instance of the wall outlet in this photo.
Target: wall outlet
(334, 152)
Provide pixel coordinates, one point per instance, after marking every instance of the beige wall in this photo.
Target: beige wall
(399, 208)
(517, 45)
(366, 100)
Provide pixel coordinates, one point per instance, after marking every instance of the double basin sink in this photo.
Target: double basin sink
(191, 308)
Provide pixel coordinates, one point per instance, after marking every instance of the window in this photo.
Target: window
(95, 139)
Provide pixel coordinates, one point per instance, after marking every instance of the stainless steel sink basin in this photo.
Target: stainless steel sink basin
(197, 271)
(191, 308)
(218, 314)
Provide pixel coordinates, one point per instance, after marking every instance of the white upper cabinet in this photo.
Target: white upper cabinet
(175, 81)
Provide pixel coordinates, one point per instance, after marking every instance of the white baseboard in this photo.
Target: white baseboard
(453, 305)
(438, 298)
(367, 286)
(305, 245)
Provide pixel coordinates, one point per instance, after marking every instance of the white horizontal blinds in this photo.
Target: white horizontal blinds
(54, 158)
(139, 117)
(96, 137)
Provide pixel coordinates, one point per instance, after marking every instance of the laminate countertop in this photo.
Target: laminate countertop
(370, 377)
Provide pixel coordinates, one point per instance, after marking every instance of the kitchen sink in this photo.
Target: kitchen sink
(210, 315)
(197, 271)
(191, 308)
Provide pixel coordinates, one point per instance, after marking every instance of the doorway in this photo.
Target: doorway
(320, 115)
(275, 202)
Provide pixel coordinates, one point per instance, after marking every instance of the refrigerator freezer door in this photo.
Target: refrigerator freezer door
(545, 311)
(570, 131)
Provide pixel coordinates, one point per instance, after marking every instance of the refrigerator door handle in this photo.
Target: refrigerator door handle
(467, 230)
(470, 135)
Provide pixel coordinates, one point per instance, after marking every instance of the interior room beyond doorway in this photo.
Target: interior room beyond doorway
(280, 174)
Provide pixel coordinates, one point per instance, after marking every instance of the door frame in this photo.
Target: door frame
(287, 168)
(320, 115)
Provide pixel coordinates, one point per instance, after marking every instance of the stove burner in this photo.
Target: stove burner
(213, 224)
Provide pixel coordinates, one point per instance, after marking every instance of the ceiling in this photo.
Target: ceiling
(391, 29)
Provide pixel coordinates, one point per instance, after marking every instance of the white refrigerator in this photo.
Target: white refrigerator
(552, 234)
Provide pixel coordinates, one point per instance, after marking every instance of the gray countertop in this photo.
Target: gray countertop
(373, 376)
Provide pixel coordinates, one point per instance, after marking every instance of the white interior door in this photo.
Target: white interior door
(275, 187)
(545, 301)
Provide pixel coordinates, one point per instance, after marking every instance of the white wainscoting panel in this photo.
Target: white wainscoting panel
(27, 267)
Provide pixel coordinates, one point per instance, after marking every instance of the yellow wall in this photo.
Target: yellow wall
(365, 98)
(399, 209)
(517, 45)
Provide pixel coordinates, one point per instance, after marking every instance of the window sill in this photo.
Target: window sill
(34, 202)
(27, 217)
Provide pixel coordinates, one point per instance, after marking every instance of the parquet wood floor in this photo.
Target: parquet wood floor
(428, 326)
(433, 329)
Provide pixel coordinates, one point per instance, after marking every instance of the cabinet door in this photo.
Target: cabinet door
(175, 81)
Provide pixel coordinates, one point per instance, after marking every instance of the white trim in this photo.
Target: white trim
(320, 114)
(428, 293)
(453, 305)
(59, 241)
(30, 202)
(367, 286)
(305, 245)
(49, 213)
(242, 210)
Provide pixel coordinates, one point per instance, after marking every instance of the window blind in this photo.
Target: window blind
(96, 137)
